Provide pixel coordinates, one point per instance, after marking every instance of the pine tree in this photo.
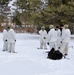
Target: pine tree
(3, 9)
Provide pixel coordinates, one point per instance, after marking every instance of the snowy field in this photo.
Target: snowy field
(30, 61)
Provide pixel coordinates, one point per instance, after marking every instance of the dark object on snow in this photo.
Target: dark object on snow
(55, 55)
(47, 43)
(44, 37)
(61, 41)
(15, 40)
(6, 40)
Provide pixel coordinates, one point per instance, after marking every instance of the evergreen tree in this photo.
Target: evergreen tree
(39, 12)
(28, 8)
(3, 9)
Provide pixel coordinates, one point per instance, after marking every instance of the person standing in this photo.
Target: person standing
(52, 38)
(43, 38)
(66, 34)
(61, 28)
(5, 46)
(11, 40)
(58, 32)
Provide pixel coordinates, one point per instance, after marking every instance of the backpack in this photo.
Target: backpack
(54, 55)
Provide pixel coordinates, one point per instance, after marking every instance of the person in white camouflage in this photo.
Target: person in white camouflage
(5, 33)
(43, 38)
(11, 40)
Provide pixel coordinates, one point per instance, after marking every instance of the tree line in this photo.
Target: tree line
(38, 12)
(43, 12)
(4, 8)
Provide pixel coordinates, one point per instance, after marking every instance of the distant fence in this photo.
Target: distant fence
(23, 29)
(32, 29)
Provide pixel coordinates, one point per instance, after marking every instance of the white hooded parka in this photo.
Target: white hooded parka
(11, 36)
(11, 40)
(43, 38)
(5, 46)
(66, 34)
(52, 38)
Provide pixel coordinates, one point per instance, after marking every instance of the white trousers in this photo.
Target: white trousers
(5, 46)
(58, 43)
(64, 48)
(11, 47)
(43, 44)
(53, 45)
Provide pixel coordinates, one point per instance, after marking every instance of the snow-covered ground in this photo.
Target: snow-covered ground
(30, 61)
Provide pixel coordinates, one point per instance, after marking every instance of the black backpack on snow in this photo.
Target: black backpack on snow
(54, 55)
